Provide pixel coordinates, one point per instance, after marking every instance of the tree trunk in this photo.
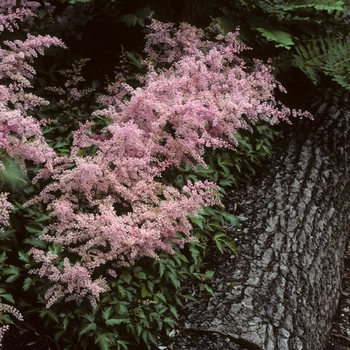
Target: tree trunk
(283, 289)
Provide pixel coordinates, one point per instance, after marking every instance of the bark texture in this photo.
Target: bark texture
(283, 289)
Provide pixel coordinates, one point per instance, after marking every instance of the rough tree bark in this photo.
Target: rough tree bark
(283, 289)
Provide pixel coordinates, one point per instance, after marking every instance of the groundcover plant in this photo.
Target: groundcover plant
(95, 231)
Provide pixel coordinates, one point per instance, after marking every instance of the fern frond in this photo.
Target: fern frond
(281, 38)
(324, 5)
(330, 56)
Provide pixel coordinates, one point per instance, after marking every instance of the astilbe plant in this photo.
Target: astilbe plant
(112, 206)
(5, 207)
(11, 310)
(20, 134)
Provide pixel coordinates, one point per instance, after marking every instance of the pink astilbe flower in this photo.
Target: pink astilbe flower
(13, 61)
(111, 208)
(5, 208)
(72, 280)
(70, 92)
(11, 15)
(21, 138)
(3, 330)
(200, 100)
(20, 135)
(107, 236)
(131, 215)
(14, 66)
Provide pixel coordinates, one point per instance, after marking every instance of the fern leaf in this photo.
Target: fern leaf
(282, 39)
(326, 5)
(330, 56)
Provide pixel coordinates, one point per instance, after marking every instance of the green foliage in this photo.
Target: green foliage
(139, 17)
(230, 168)
(330, 55)
(142, 303)
(296, 34)
(273, 28)
(283, 23)
(8, 274)
(144, 298)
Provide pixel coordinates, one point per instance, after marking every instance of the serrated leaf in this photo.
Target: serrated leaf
(159, 296)
(6, 234)
(150, 286)
(116, 321)
(169, 321)
(121, 290)
(144, 292)
(65, 323)
(197, 221)
(219, 245)
(123, 344)
(122, 308)
(32, 229)
(174, 280)
(221, 239)
(3, 257)
(281, 38)
(88, 328)
(149, 337)
(43, 218)
(209, 274)
(208, 289)
(139, 312)
(50, 314)
(161, 268)
(106, 312)
(5, 295)
(173, 310)
(13, 271)
(140, 275)
(190, 297)
(103, 341)
(24, 257)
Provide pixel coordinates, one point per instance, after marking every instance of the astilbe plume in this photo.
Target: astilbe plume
(111, 208)
(11, 14)
(5, 208)
(200, 100)
(20, 135)
(12, 310)
(3, 330)
(70, 93)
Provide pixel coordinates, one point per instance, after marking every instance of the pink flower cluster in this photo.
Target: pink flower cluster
(73, 281)
(20, 135)
(3, 330)
(111, 207)
(12, 310)
(5, 207)
(70, 93)
(11, 15)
